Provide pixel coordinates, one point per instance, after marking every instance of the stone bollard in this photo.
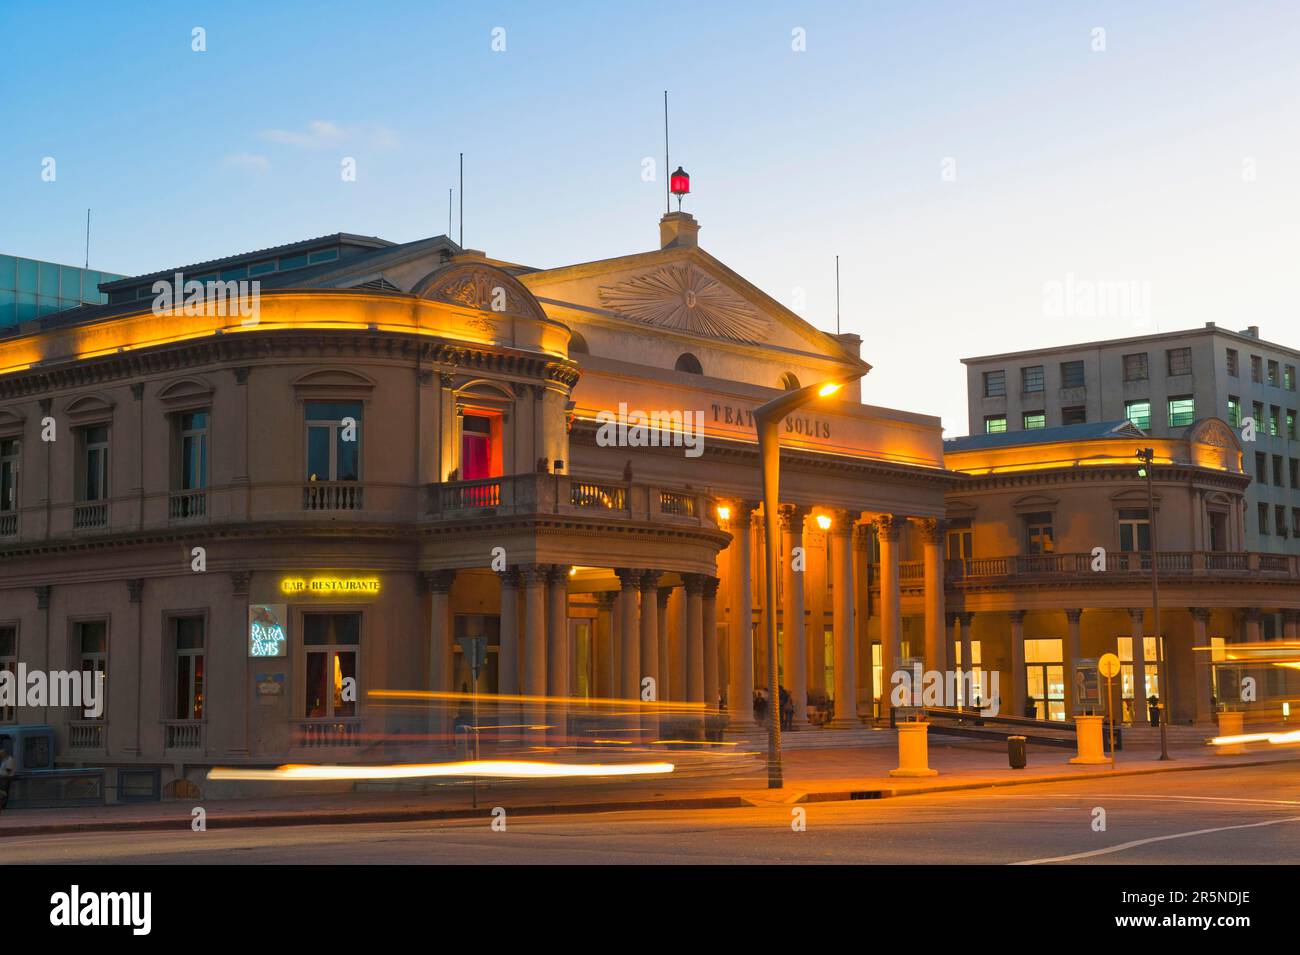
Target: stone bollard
(1231, 723)
(913, 751)
(1092, 751)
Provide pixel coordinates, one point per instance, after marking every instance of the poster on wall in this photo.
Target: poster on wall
(268, 630)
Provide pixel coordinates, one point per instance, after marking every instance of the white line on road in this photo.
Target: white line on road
(1142, 842)
(1233, 799)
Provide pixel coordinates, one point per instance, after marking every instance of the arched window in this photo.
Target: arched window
(577, 344)
(689, 363)
(789, 382)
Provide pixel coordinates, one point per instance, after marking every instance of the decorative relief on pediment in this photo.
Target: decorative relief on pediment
(483, 289)
(685, 298)
(1214, 432)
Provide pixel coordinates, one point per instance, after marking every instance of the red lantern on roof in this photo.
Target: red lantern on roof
(679, 184)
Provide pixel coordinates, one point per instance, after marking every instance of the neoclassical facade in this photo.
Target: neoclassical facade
(254, 523)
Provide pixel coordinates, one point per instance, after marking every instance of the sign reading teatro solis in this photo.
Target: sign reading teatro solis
(804, 425)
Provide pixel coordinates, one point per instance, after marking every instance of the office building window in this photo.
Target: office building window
(1295, 522)
(1179, 361)
(1293, 466)
(1139, 412)
(1288, 377)
(1039, 538)
(1279, 514)
(1261, 467)
(9, 457)
(333, 440)
(1071, 374)
(92, 474)
(187, 642)
(90, 637)
(332, 645)
(1256, 369)
(1234, 411)
(1034, 419)
(1262, 511)
(1277, 471)
(1135, 367)
(1290, 423)
(995, 424)
(1075, 414)
(1273, 413)
(995, 384)
(1233, 364)
(1273, 373)
(1031, 379)
(1134, 529)
(1257, 409)
(8, 662)
(1182, 411)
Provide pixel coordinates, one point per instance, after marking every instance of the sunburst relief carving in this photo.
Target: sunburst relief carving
(685, 298)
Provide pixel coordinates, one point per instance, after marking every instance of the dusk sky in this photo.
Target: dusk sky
(1167, 161)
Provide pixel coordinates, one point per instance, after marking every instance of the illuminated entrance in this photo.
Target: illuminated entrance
(1045, 678)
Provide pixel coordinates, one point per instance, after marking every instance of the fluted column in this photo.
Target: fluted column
(794, 650)
(936, 651)
(557, 631)
(740, 678)
(666, 689)
(695, 638)
(888, 530)
(709, 608)
(440, 654)
(629, 644)
(508, 656)
(861, 613)
(1072, 620)
(650, 630)
(606, 678)
(533, 678)
(1018, 675)
(1139, 667)
(1202, 664)
(846, 669)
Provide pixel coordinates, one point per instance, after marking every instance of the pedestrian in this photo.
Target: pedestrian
(7, 770)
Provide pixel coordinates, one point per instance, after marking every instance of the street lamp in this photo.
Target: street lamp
(1148, 458)
(767, 421)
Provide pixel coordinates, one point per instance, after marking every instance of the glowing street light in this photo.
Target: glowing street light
(767, 420)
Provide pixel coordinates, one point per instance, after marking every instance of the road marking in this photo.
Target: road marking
(1142, 842)
(1234, 799)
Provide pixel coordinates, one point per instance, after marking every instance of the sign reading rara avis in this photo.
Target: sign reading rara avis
(330, 585)
(268, 636)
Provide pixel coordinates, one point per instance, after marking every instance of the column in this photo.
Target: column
(606, 675)
(508, 657)
(846, 669)
(1072, 652)
(629, 648)
(888, 530)
(975, 696)
(932, 535)
(1202, 664)
(794, 651)
(861, 612)
(1290, 618)
(710, 610)
(440, 656)
(650, 631)
(533, 578)
(695, 638)
(740, 688)
(1139, 667)
(557, 631)
(1252, 625)
(666, 687)
(1018, 689)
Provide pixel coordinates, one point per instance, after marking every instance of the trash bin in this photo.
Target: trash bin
(1016, 751)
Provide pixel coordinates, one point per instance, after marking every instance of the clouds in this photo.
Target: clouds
(249, 161)
(319, 135)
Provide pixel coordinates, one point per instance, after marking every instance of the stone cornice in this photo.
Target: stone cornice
(1109, 473)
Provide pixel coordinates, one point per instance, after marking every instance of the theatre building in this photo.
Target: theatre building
(253, 519)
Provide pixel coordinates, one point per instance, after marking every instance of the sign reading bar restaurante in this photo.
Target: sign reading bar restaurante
(330, 585)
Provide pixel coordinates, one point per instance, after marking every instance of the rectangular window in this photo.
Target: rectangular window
(1182, 411)
(476, 450)
(1290, 423)
(1277, 471)
(959, 539)
(1134, 530)
(1274, 412)
(1233, 364)
(91, 641)
(332, 645)
(995, 424)
(93, 473)
(9, 662)
(1294, 467)
(995, 384)
(1034, 419)
(1135, 367)
(1072, 374)
(1031, 379)
(1273, 373)
(1257, 410)
(1279, 513)
(193, 450)
(1256, 369)
(1295, 522)
(9, 456)
(1075, 414)
(1234, 411)
(1288, 378)
(333, 440)
(1262, 510)
(1261, 467)
(1139, 412)
(1039, 538)
(1179, 361)
(187, 641)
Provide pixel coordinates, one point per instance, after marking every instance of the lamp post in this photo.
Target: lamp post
(1148, 457)
(767, 421)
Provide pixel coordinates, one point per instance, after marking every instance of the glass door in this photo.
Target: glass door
(1044, 679)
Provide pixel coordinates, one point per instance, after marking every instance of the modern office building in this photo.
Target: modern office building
(1164, 383)
(30, 289)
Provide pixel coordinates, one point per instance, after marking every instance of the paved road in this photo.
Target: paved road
(1247, 816)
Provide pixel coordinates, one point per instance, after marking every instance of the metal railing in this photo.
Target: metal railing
(332, 496)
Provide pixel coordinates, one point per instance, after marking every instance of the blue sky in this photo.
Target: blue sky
(1168, 160)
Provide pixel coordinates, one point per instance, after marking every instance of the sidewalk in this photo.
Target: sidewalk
(813, 775)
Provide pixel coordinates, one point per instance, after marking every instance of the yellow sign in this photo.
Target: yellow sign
(326, 586)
